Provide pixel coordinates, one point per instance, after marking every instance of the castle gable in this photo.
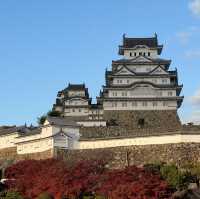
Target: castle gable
(124, 71)
(158, 71)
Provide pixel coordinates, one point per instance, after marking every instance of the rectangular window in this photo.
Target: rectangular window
(155, 104)
(170, 93)
(164, 81)
(114, 104)
(144, 103)
(135, 54)
(140, 53)
(124, 104)
(149, 53)
(165, 103)
(134, 103)
(124, 93)
(144, 54)
(114, 94)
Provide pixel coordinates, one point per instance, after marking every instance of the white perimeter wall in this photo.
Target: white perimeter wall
(167, 139)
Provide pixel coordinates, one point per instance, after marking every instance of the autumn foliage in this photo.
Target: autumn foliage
(86, 178)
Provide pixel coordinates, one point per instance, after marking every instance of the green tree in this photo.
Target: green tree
(45, 196)
(10, 195)
(41, 119)
(53, 113)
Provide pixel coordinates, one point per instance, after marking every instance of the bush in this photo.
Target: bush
(41, 119)
(45, 196)
(10, 195)
(176, 178)
(86, 178)
(54, 113)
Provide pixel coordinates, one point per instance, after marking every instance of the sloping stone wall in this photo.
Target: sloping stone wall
(8, 153)
(161, 119)
(119, 157)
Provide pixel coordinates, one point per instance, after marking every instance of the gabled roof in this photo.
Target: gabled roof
(60, 121)
(124, 70)
(158, 70)
(143, 59)
(76, 87)
(151, 42)
(4, 130)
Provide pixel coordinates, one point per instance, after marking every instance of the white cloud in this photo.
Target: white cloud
(194, 6)
(183, 36)
(192, 53)
(195, 117)
(195, 99)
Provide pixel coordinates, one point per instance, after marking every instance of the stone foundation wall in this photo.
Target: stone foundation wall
(165, 119)
(8, 153)
(11, 154)
(37, 156)
(119, 157)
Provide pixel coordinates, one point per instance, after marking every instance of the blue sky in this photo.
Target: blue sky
(44, 44)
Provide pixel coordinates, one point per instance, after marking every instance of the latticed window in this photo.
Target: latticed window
(170, 93)
(144, 103)
(134, 103)
(165, 103)
(124, 93)
(114, 104)
(155, 103)
(124, 104)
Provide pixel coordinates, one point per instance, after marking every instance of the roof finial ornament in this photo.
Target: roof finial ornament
(155, 35)
(124, 36)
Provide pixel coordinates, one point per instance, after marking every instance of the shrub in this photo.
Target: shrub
(86, 178)
(175, 177)
(45, 196)
(53, 113)
(10, 195)
(41, 120)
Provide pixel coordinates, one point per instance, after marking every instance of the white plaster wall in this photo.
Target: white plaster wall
(141, 92)
(128, 81)
(118, 105)
(35, 146)
(76, 111)
(77, 102)
(76, 93)
(154, 53)
(167, 139)
(92, 123)
(7, 141)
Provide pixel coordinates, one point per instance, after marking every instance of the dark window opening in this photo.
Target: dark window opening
(141, 122)
(140, 53)
(149, 53)
(130, 54)
(135, 54)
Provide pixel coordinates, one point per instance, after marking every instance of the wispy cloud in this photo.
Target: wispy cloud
(185, 36)
(195, 99)
(195, 117)
(194, 6)
(193, 53)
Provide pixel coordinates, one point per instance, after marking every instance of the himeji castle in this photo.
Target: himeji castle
(135, 117)
(140, 91)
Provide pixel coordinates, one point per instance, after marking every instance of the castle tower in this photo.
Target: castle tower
(140, 90)
(73, 100)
